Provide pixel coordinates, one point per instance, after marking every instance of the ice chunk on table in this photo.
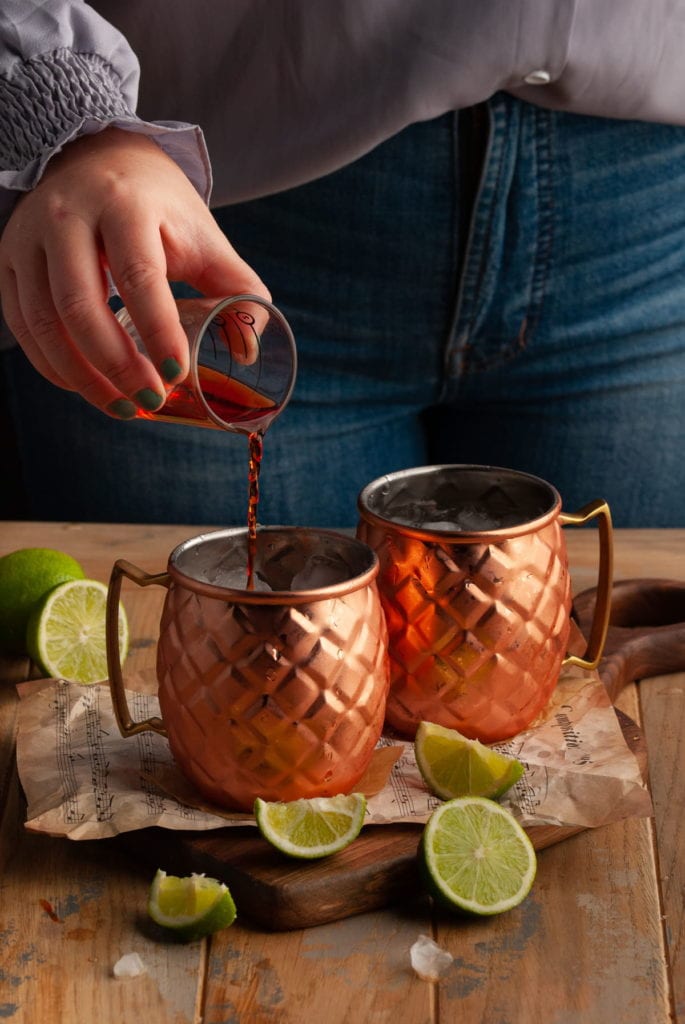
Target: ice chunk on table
(428, 959)
(129, 965)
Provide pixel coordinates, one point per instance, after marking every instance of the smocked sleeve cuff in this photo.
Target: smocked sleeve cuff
(51, 99)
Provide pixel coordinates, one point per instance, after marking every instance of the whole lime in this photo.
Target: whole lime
(25, 576)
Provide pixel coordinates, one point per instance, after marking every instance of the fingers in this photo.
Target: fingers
(205, 258)
(57, 311)
(224, 273)
(244, 324)
(214, 267)
(41, 331)
(138, 266)
(76, 284)
(11, 311)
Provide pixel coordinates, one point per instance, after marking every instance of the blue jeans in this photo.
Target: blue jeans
(536, 321)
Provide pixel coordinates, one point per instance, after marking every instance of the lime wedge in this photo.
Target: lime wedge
(452, 765)
(475, 856)
(65, 635)
(311, 828)
(191, 907)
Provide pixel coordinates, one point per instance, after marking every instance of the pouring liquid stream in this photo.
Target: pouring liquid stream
(255, 443)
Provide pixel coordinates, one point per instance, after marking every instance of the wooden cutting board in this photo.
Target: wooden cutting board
(647, 637)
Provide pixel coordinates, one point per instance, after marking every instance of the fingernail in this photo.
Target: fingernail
(122, 408)
(170, 369)
(148, 399)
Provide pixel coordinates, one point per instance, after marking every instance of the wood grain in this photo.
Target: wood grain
(69, 911)
(663, 710)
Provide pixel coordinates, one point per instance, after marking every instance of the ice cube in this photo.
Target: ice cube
(428, 959)
(259, 583)
(414, 513)
(473, 519)
(129, 965)
(319, 571)
(235, 579)
(429, 514)
(222, 576)
(445, 525)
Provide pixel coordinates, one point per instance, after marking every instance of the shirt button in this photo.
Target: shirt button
(538, 78)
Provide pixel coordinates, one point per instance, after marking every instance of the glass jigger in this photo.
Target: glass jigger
(243, 363)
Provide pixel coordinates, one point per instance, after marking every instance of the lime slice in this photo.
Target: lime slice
(191, 907)
(475, 856)
(25, 576)
(311, 828)
(452, 765)
(65, 635)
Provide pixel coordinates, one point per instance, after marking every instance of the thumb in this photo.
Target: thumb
(214, 267)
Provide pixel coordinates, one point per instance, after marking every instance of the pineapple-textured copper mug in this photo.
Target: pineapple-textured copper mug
(278, 691)
(475, 585)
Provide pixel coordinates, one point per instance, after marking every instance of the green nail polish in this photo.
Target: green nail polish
(148, 399)
(122, 408)
(170, 369)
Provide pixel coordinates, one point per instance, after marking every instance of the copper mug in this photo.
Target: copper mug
(279, 691)
(475, 586)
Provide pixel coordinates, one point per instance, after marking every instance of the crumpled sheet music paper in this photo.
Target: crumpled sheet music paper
(83, 780)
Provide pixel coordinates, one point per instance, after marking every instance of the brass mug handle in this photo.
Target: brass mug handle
(121, 568)
(600, 618)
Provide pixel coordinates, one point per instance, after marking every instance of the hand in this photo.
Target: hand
(112, 201)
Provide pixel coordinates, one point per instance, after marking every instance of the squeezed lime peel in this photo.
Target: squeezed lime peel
(190, 907)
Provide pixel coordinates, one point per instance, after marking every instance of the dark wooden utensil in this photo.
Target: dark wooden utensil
(646, 637)
(646, 630)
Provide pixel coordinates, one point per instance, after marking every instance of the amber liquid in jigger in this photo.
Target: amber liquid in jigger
(231, 401)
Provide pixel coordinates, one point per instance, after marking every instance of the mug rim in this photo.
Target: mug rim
(274, 597)
(528, 526)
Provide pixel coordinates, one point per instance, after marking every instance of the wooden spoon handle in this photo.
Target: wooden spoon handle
(646, 631)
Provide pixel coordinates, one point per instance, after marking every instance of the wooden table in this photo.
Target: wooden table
(601, 939)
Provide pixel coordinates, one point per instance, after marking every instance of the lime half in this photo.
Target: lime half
(311, 828)
(452, 765)
(191, 907)
(475, 856)
(65, 635)
(25, 576)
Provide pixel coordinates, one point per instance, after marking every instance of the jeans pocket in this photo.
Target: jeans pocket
(510, 246)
